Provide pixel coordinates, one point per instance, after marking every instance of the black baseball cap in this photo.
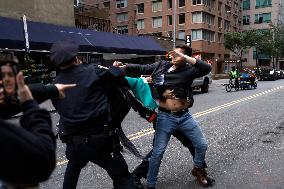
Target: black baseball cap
(63, 51)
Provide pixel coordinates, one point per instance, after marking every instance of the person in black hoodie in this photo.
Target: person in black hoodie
(27, 151)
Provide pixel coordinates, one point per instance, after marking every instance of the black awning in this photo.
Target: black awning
(42, 36)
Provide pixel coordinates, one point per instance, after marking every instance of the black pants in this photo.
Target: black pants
(80, 153)
(142, 169)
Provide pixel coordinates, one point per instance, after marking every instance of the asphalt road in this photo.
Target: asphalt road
(245, 131)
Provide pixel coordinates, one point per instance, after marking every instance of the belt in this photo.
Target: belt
(86, 139)
(178, 113)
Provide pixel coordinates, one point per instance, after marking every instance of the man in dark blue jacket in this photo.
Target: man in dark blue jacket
(172, 89)
(85, 118)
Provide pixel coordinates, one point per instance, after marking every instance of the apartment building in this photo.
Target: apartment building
(262, 14)
(203, 21)
(91, 17)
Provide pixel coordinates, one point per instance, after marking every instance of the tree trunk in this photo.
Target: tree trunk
(257, 65)
(273, 63)
(241, 63)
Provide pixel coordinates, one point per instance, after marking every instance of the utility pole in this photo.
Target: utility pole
(175, 15)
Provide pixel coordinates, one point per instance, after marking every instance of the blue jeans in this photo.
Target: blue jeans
(166, 125)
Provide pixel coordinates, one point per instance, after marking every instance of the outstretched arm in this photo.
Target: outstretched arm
(136, 70)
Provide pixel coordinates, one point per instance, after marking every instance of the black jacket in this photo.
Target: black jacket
(85, 109)
(28, 151)
(179, 80)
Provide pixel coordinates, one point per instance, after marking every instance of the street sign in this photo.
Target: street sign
(188, 40)
(26, 34)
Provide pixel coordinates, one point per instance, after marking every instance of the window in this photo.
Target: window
(219, 6)
(157, 6)
(227, 25)
(170, 20)
(121, 3)
(260, 55)
(196, 2)
(208, 18)
(107, 4)
(219, 37)
(203, 17)
(122, 29)
(219, 22)
(246, 20)
(157, 22)
(208, 35)
(197, 17)
(181, 3)
(228, 10)
(196, 35)
(246, 5)
(262, 3)
(181, 18)
(181, 34)
(262, 18)
(209, 3)
(170, 4)
(121, 17)
(140, 8)
(76, 2)
(140, 24)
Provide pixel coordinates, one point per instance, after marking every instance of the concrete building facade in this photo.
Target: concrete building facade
(259, 15)
(203, 21)
(46, 11)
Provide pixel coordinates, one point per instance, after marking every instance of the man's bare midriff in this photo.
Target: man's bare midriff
(173, 104)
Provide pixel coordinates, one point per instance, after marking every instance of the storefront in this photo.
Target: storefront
(93, 46)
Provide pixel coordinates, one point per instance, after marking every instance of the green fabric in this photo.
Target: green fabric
(142, 92)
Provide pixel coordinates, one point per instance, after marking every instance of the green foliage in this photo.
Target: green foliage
(237, 42)
(271, 41)
(268, 41)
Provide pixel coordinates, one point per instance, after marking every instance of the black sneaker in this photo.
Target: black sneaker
(137, 182)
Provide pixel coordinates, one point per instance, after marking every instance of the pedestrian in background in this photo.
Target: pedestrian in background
(85, 117)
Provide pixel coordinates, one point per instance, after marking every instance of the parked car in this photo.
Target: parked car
(267, 74)
(279, 74)
(202, 83)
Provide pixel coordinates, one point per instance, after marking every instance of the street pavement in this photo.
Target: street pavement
(245, 131)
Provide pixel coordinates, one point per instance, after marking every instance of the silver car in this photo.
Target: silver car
(202, 83)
